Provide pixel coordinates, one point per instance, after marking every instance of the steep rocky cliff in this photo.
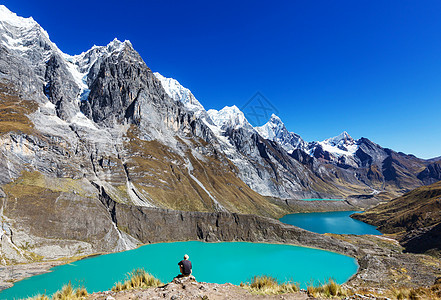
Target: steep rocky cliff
(150, 225)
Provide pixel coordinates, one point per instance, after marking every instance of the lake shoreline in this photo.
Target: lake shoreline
(351, 203)
(364, 277)
(24, 271)
(376, 250)
(214, 227)
(241, 258)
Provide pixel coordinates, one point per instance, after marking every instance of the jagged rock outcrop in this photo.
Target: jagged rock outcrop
(431, 173)
(61, 89)
(121, 84)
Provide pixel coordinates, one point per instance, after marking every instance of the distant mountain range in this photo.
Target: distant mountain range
(375, 168)
(80, 131)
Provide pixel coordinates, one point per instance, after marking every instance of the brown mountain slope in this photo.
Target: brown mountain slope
(13, 111)
(415, 218)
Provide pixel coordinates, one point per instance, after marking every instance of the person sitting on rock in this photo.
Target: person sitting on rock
(185, 266)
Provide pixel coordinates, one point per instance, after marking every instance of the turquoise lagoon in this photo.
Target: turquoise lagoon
(233, 262)
(338, 222)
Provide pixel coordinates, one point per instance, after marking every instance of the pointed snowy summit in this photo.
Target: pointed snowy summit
(179, 93)
(342, 144)
(229, 117)
(275, 130)
(116, 45)
(80, 65)
(342, 139)
(12, 19)
(275, 119)
(272, 129)
(22, 34)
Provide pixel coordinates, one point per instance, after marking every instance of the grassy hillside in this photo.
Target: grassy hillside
(163, 176)
(415, 218)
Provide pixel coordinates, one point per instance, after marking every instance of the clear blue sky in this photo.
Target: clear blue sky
(372, 68)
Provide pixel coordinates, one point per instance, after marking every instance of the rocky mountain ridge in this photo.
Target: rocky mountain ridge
(376, 168)
(101, 125)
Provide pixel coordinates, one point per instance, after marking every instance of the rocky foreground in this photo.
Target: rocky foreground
(189, 288)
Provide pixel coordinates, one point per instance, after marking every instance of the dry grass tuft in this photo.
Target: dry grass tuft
(433, 292)
(329, 290)
(138, 278)
(40, 297)
(269, 285)
(401, 293)
(68, 292)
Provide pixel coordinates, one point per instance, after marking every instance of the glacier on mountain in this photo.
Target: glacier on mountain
(179, 93)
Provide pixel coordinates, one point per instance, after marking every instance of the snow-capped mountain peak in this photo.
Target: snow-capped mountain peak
(275, 130)
(179, 93)
(272, 129)
(275, 119)
(117, 45)
(342, 139)
(7, 16)
(114, 46)
(342, 144)
(229, 117)
(22, 34)
(80, 65)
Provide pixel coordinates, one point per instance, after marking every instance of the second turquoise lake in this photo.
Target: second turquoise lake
(338, 222)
